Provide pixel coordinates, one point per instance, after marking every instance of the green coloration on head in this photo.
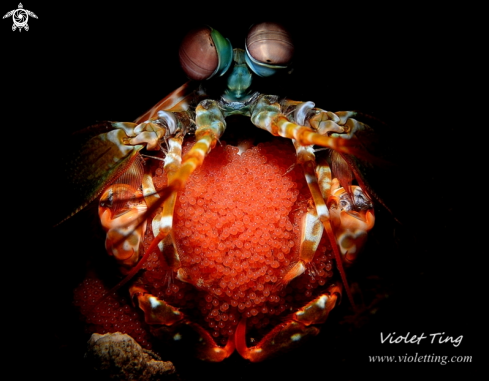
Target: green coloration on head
(224, 51)
(239, 79)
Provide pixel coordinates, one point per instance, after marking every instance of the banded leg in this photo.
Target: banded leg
(306, 158)
(168, 320)
(162, 223)
(124, 224)
(267, 114)
(312, 226)
(290, 333)
(352, 216)
(345, 221)
(312, 231)
(122, 212)
(319, 192)
(210, 126)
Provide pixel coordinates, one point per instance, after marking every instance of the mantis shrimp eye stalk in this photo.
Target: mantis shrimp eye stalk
(240, 236)
(204, 53)
(269, 48)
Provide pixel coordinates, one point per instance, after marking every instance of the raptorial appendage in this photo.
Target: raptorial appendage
(352, 217)
(122, 215)
(243, 243)
(342, 215)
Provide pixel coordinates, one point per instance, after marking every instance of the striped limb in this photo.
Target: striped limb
(105, 152)
(122, 215)
(290, 333)
(210, 126)
(169, 320)
(342, 229)
(306, 158)
(352, 216)
(125, 234)
(320, 215)
(338, 124)
(351, 211)
(346, 221)
(267, 114)
(162, 223)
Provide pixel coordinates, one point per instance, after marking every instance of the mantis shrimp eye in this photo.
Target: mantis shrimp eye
(268, 47)
(204, 52)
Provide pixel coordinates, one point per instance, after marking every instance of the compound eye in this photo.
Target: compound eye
(268, 47)
(204, 52)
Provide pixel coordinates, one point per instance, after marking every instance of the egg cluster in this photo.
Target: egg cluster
(108, 313)
(237, 229)
(234, 223)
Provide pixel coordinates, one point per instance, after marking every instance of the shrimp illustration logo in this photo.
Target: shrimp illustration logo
(20, 17)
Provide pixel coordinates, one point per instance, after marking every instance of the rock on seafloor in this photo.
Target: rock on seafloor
(117, 356)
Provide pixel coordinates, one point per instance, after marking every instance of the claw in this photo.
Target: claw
(149, 134)
(211, 125)
(125, 224)
(157, 311)
(317, 310)
(267, 115)
(283, 337)
(305, 157)
(207, 348)
(352, 219)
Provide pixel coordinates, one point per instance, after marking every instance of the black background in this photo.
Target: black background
(79, 64)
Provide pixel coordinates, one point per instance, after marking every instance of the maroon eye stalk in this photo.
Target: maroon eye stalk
(204, 52)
